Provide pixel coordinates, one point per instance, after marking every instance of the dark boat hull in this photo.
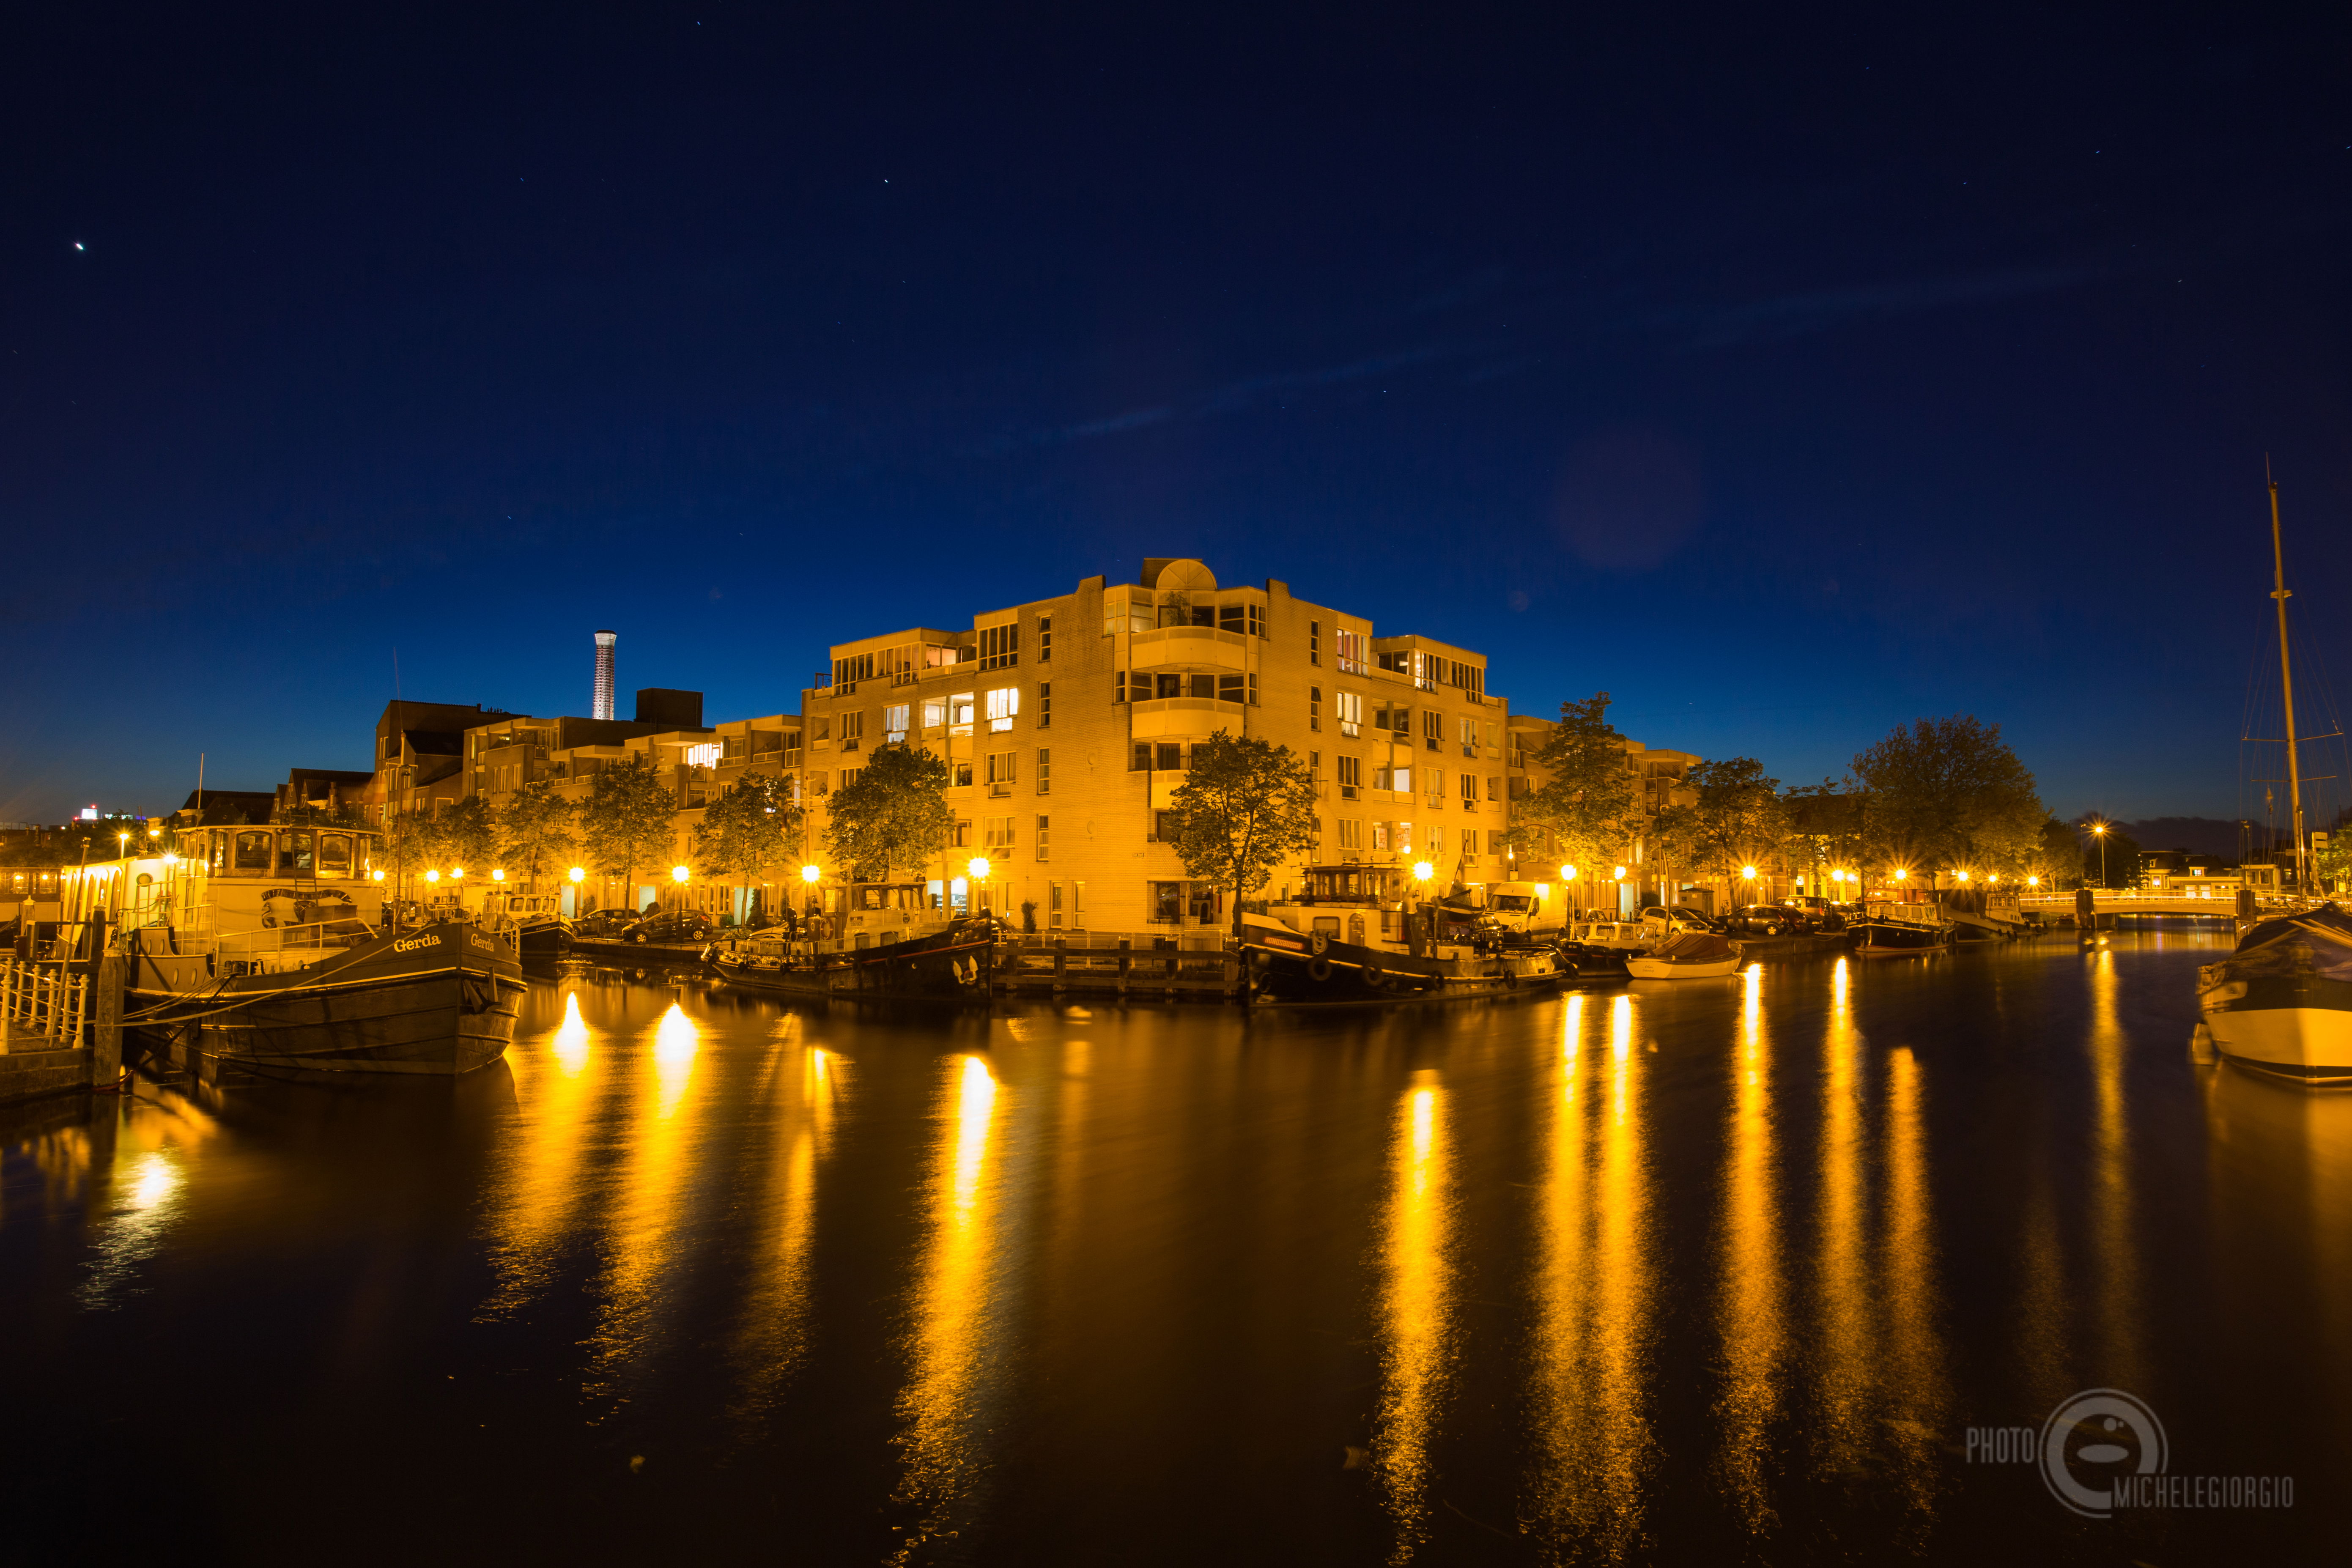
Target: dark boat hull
(955, 966)
(1286, 969)
(440, 1002)
(1877, 939)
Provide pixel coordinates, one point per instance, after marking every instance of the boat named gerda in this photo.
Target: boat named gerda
(267, 946)
(892, 941)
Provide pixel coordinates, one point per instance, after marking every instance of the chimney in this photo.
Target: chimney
(601, 704)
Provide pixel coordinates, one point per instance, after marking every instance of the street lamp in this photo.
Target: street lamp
(458, 872)
(2034, 882)
(1568, 873)
(578, 874)
(433, 876)
(679, 873)
(1960, 876)
(377, 875)
(810, 874)
(2099, 832)
(499, 875)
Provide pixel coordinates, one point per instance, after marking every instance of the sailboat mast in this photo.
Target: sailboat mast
(2286, 690)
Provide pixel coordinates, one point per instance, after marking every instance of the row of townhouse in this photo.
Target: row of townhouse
(1069, 724)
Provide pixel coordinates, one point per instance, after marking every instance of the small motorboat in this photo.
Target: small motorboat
(2282, 1002)
(1694, 955)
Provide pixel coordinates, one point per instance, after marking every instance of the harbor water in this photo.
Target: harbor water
(1791, 1266)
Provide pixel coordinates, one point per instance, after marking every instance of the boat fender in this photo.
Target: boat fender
(1374, 975)
(1317, 944)
(1318, 970)
(1510, 978)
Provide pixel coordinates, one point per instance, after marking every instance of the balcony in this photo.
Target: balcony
(1197, 716)
(1189, 647)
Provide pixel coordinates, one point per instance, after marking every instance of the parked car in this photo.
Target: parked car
(670, 925)
(603, 923)
(1774, 919)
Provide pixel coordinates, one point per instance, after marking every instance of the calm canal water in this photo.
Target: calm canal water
(1703, 1272)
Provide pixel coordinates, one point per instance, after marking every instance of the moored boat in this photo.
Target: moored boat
(1692, 956)
(2282, 1002)
(1901, 931)
(890, 942)
(265, 945)
(1356, 935)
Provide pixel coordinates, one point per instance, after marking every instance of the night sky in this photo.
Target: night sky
(1786, 375)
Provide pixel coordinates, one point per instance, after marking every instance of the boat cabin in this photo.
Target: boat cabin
(242, 890)
(522, 908)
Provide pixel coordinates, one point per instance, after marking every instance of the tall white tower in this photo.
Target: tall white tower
(603, 698)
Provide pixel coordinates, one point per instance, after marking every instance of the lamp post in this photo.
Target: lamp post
(2099, 832)
(977, 868)
(678, 875)
(1568, 879)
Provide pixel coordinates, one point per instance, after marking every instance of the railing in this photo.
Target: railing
(46, 1000)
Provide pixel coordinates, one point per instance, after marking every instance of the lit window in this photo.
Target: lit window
(1352, 834)
(1349, 707)
(1003, 703)
(935, 713)
(894, 724)
(1000, 646)
(853, 731)
(704, 756)
(959, 713)
(1000, 768)
(1348, 648)
(996, 832)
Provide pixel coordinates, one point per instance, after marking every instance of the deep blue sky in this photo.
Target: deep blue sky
(1788, 375)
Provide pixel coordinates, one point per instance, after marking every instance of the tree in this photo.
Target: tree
(2060, 862)
(895, 813)
(1245, 807)
(1740, 816)
(628, 817)
(1825, 824)
(1948, 794)
(1587, 800)
(535, 828)
(467, 833)
(408, 843)
(756, 824)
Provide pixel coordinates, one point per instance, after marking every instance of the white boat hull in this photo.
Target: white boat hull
(2302, 1042)
(1666, 969)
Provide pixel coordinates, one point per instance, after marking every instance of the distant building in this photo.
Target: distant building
(601, 701)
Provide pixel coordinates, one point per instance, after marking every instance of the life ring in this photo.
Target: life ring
(1375, 976)
(1318, 970)
(1317, 944)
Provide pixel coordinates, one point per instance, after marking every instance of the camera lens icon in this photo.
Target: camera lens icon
(2094, 1439)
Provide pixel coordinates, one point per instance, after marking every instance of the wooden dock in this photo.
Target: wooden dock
(1187, 969)
(60, 1025)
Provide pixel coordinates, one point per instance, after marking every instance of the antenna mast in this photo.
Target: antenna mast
(2286, 688)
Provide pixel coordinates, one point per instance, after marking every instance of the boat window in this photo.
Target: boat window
(298, 852)
(334, 852)
(253, 852)
(1327, 925)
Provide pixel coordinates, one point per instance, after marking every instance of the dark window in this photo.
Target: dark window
(334, 852)
(1164, 826)
(1170, 685)
(1229, 618)
(1315, 642)
(1141, 760)
(1044, 639)
(964, 772)
(1170, 758)
(253, 852)
(1045, 704)
(1204, 686)
(1232, 689)
(1314, 707)
(1168, 903)
(1204, 615)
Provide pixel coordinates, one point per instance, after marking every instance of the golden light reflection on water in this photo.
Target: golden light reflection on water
(1913, 1380)
(1414, 1309)
(1753, 1321)
(942, 1429)
(1844, 1433)
(643, 1220)
(2112, 1218)
(776, 1332)
(1593, 1304)
(538, 1189)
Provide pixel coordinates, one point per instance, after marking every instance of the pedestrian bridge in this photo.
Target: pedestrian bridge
(2123, 902)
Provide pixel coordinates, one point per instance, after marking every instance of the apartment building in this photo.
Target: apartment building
(1660, 778)
(1069, 724)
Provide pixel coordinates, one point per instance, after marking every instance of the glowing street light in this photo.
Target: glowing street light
(1747, 873)
(1616, 873)
(376, 875)
(578, 874)
(2099, 832)
(433, 876)
(1961, 876)
(499, 876)
(679, 873)
(2034, 882)
(1422, 870)
(1568, 873)
(810, 874)
(458, 872)
(977, 868)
